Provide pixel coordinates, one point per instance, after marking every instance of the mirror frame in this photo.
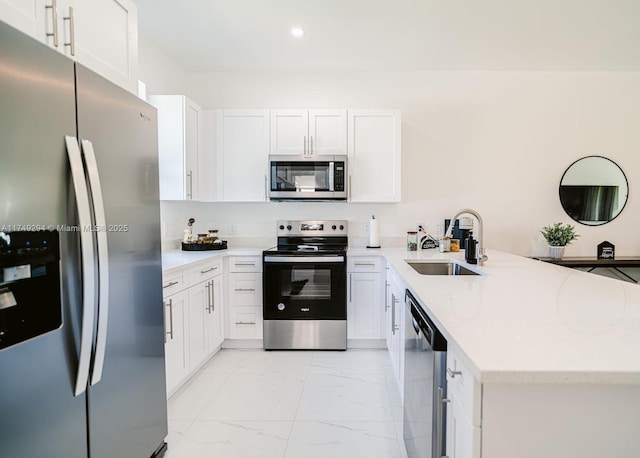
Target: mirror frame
(569, 168)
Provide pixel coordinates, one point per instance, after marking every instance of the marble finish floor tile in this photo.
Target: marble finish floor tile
(317, 439)
(287, 404)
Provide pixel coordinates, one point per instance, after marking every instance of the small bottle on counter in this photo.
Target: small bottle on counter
(412, 241)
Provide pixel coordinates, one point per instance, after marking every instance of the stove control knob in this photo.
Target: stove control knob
(281, 306)
(341, 227)
(333, 227)
(289, 227)
(281, 227)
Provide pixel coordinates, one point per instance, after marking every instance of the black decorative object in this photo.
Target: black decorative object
(606, 250)
(195, 246)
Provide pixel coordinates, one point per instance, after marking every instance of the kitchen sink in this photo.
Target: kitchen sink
(440, 268)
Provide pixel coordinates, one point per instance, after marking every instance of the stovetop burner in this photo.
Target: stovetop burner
(307, 238)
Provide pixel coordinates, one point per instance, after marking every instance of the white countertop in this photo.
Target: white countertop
(527, 321)
(177, 259)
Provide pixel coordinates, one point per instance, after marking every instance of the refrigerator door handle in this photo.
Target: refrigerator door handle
(88, 262)
(101, 230)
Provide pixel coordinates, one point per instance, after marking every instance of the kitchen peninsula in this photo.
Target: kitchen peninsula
(543, 360)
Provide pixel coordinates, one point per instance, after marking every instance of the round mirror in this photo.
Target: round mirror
(593, 190)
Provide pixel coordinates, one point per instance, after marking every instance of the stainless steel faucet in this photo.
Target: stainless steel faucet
(481, 256)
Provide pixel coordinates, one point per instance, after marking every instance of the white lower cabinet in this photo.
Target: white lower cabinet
(394, 324)
(364, 298)
(176, 348)
(244, 288)
(194, 319)
(463, 438)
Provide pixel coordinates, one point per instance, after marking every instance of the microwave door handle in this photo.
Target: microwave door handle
(88, 262)
(332, 171)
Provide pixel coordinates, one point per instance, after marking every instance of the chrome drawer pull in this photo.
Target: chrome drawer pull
(208, 270)
(364, 264)
(244, 289)
(170, 284)
(245, 322)
(245, 263)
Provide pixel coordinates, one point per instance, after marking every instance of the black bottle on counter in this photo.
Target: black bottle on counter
(470, 249)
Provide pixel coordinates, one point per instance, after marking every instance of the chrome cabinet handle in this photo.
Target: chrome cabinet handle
(208, 270)
(394, 328)
(170, 332)
(349, 187)
(386, 292)
(54, 19)
(266, 187)
(453, 373)
(372, 264)
(245, 264)
(350, 286)
(440, 420)
(171, 283)
(72, 37)
(311, 146)
(245, 322)
(305, 146)
(244, 289)
(190, 193)
(213, 298)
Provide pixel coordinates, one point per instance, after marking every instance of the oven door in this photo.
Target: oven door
(304, 287)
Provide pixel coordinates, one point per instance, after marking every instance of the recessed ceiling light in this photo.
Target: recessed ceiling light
(297, 32)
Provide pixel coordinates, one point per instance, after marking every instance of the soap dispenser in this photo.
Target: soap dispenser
(470, 249)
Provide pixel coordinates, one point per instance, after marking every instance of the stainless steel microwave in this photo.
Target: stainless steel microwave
(304, 178)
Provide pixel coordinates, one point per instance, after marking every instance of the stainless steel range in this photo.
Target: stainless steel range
(305, 287)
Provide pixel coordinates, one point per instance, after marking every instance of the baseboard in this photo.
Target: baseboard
(243, 343)
(367, 343)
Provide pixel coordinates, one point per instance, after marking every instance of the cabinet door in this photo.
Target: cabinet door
(364, 306)
(193, 145)
(215, 321)
(327, 132)
(199, 304)
(180, 139)
(105, 38)
(30, 17)
(374, 155)
(462, 438)
(244, 145)
(289, 132)
(175, 348)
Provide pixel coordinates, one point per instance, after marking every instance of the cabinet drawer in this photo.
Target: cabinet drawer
(245, 264)
(364, 264)
(245, 322)
(172, 283)
(204, 271)
(245, 289)
(463, 385)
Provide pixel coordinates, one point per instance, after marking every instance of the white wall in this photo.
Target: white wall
(158, 71)
(497, 142)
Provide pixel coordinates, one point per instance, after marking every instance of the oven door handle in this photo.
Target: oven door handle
(304, 259)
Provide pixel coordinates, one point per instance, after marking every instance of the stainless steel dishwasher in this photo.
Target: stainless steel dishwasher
(425, 384)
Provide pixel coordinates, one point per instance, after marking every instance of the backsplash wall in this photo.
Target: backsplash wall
(497, 142)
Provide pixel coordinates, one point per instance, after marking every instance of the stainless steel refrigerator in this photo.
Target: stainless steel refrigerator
(81, 316)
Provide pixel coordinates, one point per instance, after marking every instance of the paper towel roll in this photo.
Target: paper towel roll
(374, 233)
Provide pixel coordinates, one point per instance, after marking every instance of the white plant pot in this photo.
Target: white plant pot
(556, 252)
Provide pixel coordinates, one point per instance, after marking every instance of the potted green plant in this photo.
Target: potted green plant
(558, 236)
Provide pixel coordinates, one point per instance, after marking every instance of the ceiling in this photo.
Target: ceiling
(392, 35)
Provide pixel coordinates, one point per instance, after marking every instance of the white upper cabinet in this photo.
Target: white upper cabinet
(243, 150)
(308, 132)
(180, 143)
(374, 155)
(100, 34)
(103, 35)
(32, 17)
